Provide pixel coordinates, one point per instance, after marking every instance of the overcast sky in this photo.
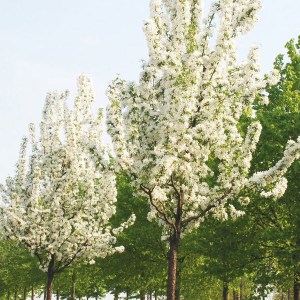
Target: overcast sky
(45, 45)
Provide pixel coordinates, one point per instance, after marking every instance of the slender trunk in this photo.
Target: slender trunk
(57, 294)
(8, 295)
(50, 274)
(241, 290)
(32, 293)
(16, 295)
(73, 286)
(150, 295)
(296, 287)
(234, 294)
(45, 293)
(116, 296)
(155, 295)
(225, 291)
(24, 293)
(172, 266)
(142, 295)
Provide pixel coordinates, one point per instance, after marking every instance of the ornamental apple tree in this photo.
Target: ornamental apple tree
(63, 194)
(178, 130)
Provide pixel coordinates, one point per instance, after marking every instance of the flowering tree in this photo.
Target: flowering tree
(178, 131)
(60, 202)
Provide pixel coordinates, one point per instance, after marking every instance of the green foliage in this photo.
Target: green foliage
(279, 221)
(18, 269)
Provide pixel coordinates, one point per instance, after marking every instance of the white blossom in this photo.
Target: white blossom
(177, 130)
(63, 195)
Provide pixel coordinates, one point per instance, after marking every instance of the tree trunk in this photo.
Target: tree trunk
(16, 295)
(150, 295)
(116, 296)
(24, 293)
(50, 275)
(172, 266)
(142, 295)
(155, 295)
(8, 295)
(241, 290)
(45, 293)
(225, 291)
(32, 293)
(296, 287)
(234, 294)
(289, 294)
(73, 286)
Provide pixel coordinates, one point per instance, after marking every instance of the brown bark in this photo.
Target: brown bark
(50, 275)
(241, 290)
(32, 293)
(172, 266)
(73, 286)
(142, 295)
(296, 288)
(225, 291)
(234, 294)
(24, 293)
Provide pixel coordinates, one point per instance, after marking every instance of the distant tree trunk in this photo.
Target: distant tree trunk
(45, 293)
(73, 286)
(50, 275)
(142, 295)
(32, 293)
(16, 295)
(116, 295)
(155, 295)
(241, 290)
(150, 295)
(297, 287)
(24, 293)
(225, 291)
(234, 294)
(57, 294)
(8, 295)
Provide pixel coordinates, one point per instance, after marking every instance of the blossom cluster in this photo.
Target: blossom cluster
(178, 129)
(63, 195)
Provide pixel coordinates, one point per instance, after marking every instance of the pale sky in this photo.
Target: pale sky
(45, 45)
